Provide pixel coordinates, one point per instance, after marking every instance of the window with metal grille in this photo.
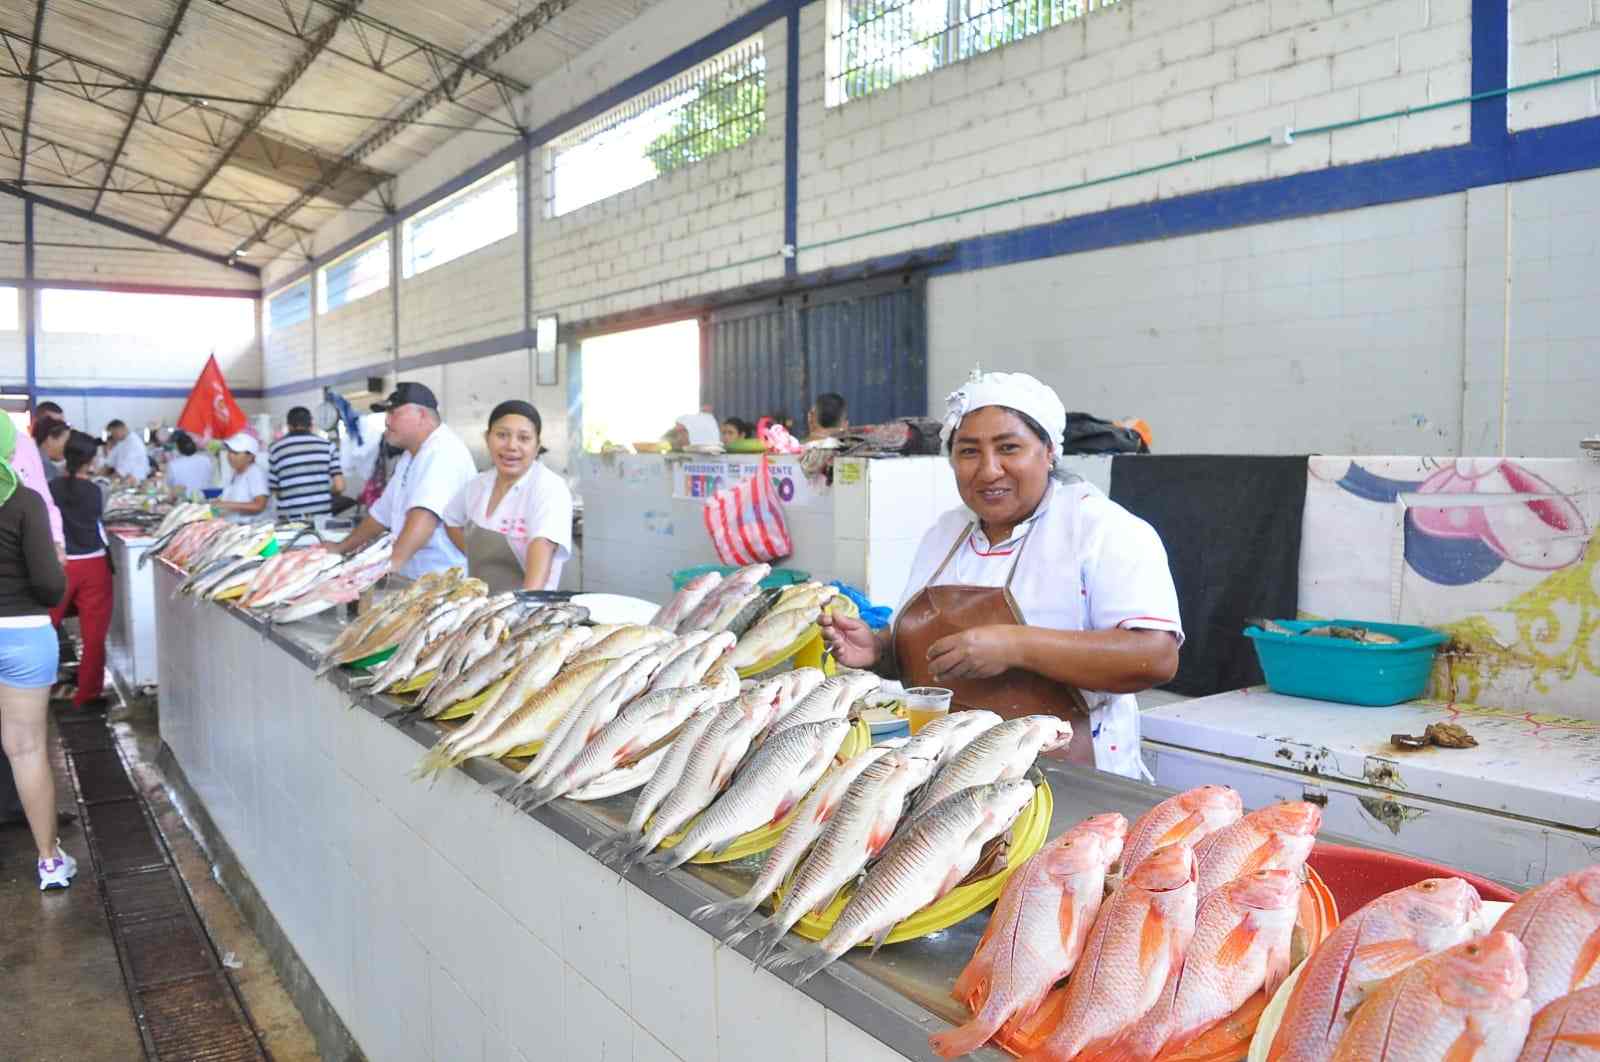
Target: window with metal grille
(873, 44)
(9, 309)
(717, 105)
(358, 274)
(478, 215)
(289, 307)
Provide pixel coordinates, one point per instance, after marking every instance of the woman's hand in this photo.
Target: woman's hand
(978, 652)
(849, 639)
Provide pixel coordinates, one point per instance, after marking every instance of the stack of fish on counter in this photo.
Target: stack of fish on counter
(765, 621)
(225, 560)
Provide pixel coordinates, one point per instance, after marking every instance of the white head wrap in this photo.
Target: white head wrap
(702, 428)
(1016, 390)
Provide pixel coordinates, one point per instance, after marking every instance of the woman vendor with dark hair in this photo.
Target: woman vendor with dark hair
(1039, 594)
(514, 522)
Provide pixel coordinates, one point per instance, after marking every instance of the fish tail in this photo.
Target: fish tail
(963, 1039)
(729, 910)
(768, 936)
(810, 960)
(605, 848)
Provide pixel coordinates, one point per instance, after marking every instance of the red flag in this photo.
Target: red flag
(211, 412)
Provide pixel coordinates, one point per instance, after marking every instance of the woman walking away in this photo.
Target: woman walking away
(89, 584)
(31, 581)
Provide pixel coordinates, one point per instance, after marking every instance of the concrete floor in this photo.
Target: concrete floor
(63, 996)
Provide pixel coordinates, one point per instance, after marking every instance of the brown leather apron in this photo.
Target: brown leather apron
(491, 558)
(935, 612)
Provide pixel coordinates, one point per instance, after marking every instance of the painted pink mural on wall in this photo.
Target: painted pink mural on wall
(1459, 543)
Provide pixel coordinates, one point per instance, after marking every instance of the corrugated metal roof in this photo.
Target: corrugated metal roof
(247, 123)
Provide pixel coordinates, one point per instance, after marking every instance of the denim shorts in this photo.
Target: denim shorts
(29, 657)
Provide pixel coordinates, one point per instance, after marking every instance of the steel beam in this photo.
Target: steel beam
(314, 46)
(519, 30)
(138, 99)
(33, 72)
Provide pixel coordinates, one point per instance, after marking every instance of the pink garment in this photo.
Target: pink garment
(30, 470)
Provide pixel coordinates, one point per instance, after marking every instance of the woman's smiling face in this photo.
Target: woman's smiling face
(1002, 468)
(513, 444)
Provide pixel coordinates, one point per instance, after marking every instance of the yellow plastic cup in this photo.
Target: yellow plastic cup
(924, 704)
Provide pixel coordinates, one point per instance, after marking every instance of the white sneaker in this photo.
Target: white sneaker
(57, 873)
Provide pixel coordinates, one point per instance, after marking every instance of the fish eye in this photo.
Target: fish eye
(1427, 886)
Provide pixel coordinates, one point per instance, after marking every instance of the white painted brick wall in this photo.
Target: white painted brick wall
(1554, 38)
(356, 334)
(1142, 83)
(286, 355)
(679, 235)
(474, 297)
(72, 249)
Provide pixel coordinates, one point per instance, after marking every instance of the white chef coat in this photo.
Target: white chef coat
(427, 480)
(538, 505)
(247, 486)
(198, 471)
(1089, 564)
(128, 458)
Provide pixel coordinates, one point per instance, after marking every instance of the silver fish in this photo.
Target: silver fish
(814, 813)
(537, 669)
(731, 607)
(622, 780)
(859, 830)
(956, 731)
(479, 677)
(831, 699)
(691, 663)
(747, 616)
(685, 601)
(737, 584)
(931, 858)
(717, 753)
(621, 643)
(633, 734)
(772, 635)
(774, 780)
(1003, 753)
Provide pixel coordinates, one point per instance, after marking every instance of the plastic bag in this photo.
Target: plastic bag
(746, 521)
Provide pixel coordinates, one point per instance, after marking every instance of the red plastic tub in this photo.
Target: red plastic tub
(1356, 876)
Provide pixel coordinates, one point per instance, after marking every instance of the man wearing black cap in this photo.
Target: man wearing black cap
(436, 464)
(303, 469)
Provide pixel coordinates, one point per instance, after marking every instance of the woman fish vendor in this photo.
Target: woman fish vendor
(1040, 595)
(514, 522)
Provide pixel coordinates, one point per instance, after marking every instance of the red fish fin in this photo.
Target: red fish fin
(1119, 1050)
(1067, 915)
(1261, 857)
(1465, 1047)
(1388, 957)
(1236, 945)
(882, 830)
(1279, 962)
(1578, 1039)
(1182, 829)
(1152, 940)
(785, 806)
(1588, 955)
(976, 969)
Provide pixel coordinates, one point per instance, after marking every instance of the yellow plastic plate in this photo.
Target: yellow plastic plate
(415, 682)
(806, 650)
(760, 840)
(232, 594)
(1027, 837)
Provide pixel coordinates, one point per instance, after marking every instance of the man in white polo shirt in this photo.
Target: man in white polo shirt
(433, 468)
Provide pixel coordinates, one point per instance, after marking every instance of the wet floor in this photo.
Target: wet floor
(62, 994)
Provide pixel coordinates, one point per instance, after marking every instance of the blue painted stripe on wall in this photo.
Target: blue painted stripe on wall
(791, 144)
(1491, 64)
(30, 310)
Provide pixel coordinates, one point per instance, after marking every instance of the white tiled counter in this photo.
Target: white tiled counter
(441, 923)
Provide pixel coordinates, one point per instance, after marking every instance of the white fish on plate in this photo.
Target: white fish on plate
(686, 600)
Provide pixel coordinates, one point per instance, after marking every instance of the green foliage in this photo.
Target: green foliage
(726, 111)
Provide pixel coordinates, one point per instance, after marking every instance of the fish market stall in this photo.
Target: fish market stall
(632, 799)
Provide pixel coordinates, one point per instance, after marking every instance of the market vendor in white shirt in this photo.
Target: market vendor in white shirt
(513, 522)
(125, 453)
(435, 466)
(1040, 594)
(245, 497)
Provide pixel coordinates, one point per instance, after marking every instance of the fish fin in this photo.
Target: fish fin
(976, 971)
(1385, 958)
(1152, 940)
(882, 831)
(881, 939)
(1119, 1050)
(1584, 966)
(1067, 916)
(962, 1040)
(1182, 829)
(1465, 1047)
(1279, 964)
(1236, 945)
(785, 805)
(1264, 854)
(1578, 1039)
